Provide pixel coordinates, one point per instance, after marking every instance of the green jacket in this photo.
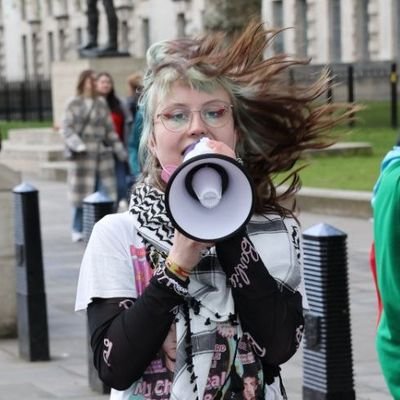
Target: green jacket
(386, 211)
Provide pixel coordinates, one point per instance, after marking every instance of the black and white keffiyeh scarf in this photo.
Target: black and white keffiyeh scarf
(210, 301)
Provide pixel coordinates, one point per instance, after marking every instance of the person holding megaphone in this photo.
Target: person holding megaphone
(207, 246)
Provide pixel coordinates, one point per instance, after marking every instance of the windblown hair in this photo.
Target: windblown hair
(276, 121)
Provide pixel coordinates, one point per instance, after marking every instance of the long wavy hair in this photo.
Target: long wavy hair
(275, 119)
(83, 76)
(113, 102)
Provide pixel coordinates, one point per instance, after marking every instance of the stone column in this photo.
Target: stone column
(8, 298)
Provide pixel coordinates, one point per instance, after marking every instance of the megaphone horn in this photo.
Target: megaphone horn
(209, 197)
(207, 183)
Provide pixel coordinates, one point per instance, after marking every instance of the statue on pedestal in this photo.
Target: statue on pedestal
(91, 48)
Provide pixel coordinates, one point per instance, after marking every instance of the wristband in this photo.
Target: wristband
(176, 269)
(166, 278)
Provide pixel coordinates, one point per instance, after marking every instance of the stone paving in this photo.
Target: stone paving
(65, 375)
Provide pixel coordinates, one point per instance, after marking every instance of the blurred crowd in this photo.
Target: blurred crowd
(101, 131)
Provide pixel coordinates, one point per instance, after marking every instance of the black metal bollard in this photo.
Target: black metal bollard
(95, 207)
(33, 337)
(327, 355)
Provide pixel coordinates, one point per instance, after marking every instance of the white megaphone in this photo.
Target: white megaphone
(209, 197)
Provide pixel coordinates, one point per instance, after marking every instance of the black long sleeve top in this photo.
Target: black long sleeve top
(127, 333)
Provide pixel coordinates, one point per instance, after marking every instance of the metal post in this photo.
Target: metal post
(39, 100)
(393, 92)
(33, 335)
(350, 88)
(7, 101)
(327, 355)
(22, 99)
(95, 207)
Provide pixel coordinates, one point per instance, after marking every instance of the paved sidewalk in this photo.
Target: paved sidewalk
(65, 376)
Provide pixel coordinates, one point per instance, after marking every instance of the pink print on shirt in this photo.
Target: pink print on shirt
(141, 267)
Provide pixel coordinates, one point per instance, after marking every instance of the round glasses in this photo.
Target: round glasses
(178, 118)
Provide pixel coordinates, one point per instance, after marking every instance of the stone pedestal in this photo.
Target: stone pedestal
(64, 77)
(8, 298)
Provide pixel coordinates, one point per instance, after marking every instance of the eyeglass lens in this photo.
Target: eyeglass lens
(214, 115)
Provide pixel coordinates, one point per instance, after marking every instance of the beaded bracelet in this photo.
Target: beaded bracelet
(176, 269)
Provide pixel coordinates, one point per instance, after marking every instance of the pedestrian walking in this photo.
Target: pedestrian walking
(89, 134)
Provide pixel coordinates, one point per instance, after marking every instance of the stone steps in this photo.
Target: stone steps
(34, 136)
(26, 150)
(343, 148)
(23, 166)
(54, 170)
(347, 203)
(39, 152)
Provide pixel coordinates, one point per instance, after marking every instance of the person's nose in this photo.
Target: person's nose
(197, 125)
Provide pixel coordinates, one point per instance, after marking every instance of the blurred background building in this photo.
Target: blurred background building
(34, 33)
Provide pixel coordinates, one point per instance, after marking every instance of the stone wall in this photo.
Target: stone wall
(64, 77)
(8, 298)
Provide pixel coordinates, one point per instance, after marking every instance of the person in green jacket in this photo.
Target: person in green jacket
(386, 212)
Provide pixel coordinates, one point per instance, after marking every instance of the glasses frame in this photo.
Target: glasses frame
(228, 107)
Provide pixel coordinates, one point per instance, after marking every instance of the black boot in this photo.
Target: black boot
(91, 44)
(112, 45)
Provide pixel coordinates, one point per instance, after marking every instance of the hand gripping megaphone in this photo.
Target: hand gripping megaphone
(209, 197)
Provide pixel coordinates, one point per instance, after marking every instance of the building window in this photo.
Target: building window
(124, 36)
(64, 6)
(25, 56)
(335, 28)
(78, 5)
(145, 34)
(362, 30)
(181, 25)
(23, 9)
(35, 55)
(301, 28)
(50, 44)
(277, 20)
(79, 36)
(61, 44)
(50, 7)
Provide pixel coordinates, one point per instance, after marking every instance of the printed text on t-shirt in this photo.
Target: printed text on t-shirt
(239, 278)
